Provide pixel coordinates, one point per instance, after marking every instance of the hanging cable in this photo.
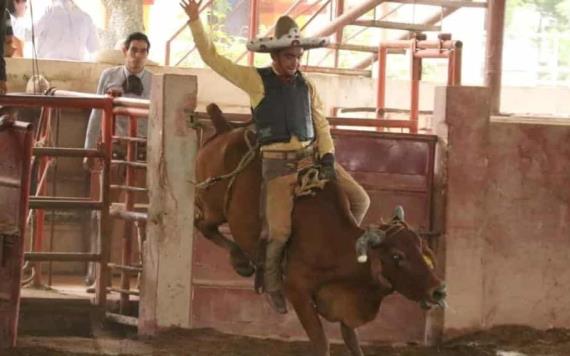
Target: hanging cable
(35, 63)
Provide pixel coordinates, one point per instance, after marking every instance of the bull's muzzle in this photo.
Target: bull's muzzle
(436, 297)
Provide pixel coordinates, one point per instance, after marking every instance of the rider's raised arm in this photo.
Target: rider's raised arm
(244, 77)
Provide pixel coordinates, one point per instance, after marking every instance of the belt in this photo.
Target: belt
(289, 155)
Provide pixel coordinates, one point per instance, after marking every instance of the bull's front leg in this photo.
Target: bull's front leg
(241, 264)
(307, 314)
(350, 337)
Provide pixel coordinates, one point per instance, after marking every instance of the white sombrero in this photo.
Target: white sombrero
(286, 35)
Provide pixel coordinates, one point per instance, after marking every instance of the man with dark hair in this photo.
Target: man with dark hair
(291, 127)
(129, 80)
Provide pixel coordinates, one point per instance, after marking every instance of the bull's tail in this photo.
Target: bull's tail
(218, 120)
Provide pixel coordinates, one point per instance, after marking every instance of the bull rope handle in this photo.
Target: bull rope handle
(245, 160)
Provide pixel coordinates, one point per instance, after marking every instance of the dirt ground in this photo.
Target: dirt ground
(499, 341)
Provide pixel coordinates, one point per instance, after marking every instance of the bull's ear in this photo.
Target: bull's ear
(399, 213)
(372, 237)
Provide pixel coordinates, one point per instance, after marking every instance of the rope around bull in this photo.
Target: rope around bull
(243, 163)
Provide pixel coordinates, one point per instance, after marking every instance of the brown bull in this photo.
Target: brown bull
(334, 269)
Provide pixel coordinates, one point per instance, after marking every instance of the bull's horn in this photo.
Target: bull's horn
(373, 236)
(399, 212)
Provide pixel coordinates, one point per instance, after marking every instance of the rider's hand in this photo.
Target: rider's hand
(327, 167)
(192, 8)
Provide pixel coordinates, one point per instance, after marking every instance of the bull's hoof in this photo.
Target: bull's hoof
(245, 271)
(242, 265)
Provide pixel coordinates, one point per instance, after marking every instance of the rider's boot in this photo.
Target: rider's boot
(272, 277)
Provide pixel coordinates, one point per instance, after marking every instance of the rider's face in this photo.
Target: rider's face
(287, 61)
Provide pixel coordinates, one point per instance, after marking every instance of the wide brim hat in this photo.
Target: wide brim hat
(287, 34)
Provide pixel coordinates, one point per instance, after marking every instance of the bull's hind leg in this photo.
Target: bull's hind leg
(350, 338)
(241, 264)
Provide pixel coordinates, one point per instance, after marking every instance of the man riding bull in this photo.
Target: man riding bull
(291, 128)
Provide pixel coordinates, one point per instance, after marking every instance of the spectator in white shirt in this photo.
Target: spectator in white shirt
(66, 32)
(130, 80)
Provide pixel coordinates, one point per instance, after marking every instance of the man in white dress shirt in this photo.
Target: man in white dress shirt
(130, 80)
(66, 32)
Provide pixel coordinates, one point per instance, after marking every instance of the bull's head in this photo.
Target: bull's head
(400, 260)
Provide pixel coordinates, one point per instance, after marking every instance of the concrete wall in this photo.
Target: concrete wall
(343, 91)
(506, 221)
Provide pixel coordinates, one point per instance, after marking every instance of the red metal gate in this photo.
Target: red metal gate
(15, 155)
(394, 169)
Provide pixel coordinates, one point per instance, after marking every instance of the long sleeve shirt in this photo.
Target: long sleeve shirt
(248, 79)
(2, 36)
(113, 78)
(66, 32)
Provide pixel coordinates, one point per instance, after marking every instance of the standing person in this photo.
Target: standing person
(3, 87)
(20, 24)
(289, 118)
(130, 80)
(65, 31)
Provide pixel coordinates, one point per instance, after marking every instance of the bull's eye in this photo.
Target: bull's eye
(397, 258)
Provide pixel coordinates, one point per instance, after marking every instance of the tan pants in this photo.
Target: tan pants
(279, 199)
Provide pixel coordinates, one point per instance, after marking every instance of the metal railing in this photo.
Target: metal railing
(41, 202)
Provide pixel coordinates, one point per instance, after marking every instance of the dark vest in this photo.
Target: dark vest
(284, 111)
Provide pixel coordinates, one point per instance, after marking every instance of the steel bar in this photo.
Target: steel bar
(348, 17)
(127, 138)
(9, 182)
(66, 152)
(494, 52)
(362, 48)
(129, 215)
(430, 21)
(129, 188)
(386, 110)
(131, 102)
(425, 44)
(122, 319)
(340, 71)
(129, 205)
(381, 81)
(370, 122)
(132, 164)
(61, 256)
(132, 269)
(397, 25)
(121, 206)
(445, 3)
(57, 204)
(128, 111)
(253, 27)
(103, 273)
(126, 292)
(338, 35)
(89, 102)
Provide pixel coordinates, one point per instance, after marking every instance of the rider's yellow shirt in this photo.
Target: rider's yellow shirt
(248, 79)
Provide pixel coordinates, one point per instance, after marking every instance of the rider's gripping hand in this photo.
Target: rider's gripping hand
(327, 167)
